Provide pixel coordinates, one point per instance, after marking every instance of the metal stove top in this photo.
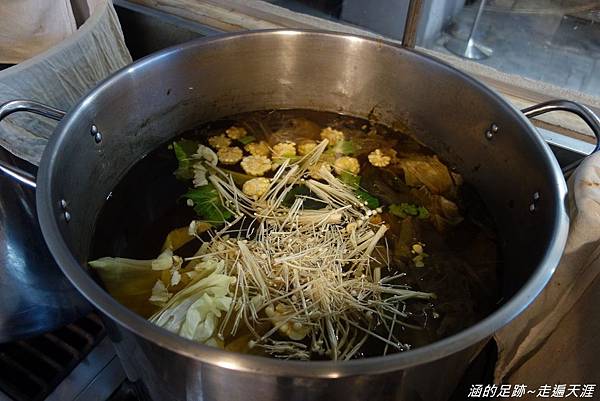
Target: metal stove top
(75, 362)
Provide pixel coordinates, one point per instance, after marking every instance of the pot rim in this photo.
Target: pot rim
(102, 300)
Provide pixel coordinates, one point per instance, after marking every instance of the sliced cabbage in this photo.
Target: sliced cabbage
(160, 294)
(195, 311)
(426, 170)
(204, 153)
(203, 316)
(164, 261)
(129, 281)
(134, 283)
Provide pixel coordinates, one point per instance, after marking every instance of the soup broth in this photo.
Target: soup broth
(299, 234)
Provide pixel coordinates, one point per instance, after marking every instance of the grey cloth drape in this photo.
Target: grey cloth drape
(59, 77)
(527, 336)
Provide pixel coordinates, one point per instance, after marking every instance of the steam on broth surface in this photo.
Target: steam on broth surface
(300, 235)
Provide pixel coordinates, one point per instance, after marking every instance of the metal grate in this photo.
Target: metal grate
(30, 369)
(126, 392)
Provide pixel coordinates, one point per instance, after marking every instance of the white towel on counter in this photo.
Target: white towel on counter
(553, 337)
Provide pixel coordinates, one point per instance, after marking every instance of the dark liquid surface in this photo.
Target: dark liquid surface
(462, 267)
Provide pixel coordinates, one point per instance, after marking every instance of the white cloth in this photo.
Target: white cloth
(580, 265)
(59, 77)
(29, 27)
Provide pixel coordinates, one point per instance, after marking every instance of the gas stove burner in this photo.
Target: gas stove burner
(31, 369)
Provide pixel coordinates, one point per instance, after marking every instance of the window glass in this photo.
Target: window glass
(530, 49)
(386, 18)
(553, 41)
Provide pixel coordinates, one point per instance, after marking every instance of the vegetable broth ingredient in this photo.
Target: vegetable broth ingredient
(428, 171)
(194, 312)
(312, 236)
(207, 203)
(130, 281)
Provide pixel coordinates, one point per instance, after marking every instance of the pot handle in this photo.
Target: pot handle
(33, 107)
(587, 115)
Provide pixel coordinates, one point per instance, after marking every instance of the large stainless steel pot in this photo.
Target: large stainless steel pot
(35, 296)
(492, 144)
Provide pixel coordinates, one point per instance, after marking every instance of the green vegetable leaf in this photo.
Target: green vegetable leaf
(404, 210)
(301, 190)
(353, 181)
(207, 203)
(350, 179)
(184, 149)
(247, 139)
(292, 158)
(290, 197)
(238, 178)
(423, 213)
(372, 202)
(344, 148)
